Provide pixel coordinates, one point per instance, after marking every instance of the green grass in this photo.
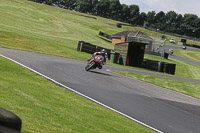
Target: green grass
(46, 107)
(42, 105)
(188, 88)
(40, 28)
(194, 55)
(45, 29)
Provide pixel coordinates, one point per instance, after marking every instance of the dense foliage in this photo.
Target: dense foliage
(187, 24)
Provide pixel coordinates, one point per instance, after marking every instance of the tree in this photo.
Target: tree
(190, 25)
(160, 20)
(103, 8)
(67, 4)
(93, 4)
(142, 18)
(134, 14)
(70, 4)
(151, 18)
(125, 13)
(160, 17)
(171, 17)
(83, 6)
(115, 9)
(178, 23)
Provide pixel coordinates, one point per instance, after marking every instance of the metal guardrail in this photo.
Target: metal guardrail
(192, 45)
(105, 35)
(90, 48)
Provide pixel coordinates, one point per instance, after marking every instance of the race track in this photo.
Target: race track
(160, 108)
(175, 56)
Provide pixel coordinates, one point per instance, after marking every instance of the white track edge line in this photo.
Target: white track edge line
(52, 80)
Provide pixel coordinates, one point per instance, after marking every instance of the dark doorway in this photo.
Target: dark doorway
(135, 54)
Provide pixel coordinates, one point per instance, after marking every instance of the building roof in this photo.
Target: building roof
(131, 34)
(123, 33)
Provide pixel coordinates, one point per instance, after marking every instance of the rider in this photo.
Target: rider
(171, 51)
(102, 53)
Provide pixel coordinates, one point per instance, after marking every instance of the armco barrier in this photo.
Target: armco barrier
(196, 46)
(90, 48)
(105, 35)
(119, 25)
(192, 45)
(86, 47)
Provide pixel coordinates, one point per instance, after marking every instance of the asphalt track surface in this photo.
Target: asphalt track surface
(163, 109)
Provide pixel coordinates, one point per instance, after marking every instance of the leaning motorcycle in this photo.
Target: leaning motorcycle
(94, 62)
(171, 52)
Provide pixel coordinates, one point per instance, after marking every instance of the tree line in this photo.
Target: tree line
(187, 24)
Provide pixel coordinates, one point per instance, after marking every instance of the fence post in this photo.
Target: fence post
(96, 48)
(81, 46)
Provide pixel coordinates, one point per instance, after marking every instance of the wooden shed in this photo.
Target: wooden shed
(131, 46)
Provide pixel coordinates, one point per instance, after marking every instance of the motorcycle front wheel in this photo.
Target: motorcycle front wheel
(89, 66)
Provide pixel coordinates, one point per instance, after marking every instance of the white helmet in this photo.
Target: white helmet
(103, 51)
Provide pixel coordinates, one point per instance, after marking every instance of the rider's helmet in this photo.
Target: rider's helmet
(103, 52)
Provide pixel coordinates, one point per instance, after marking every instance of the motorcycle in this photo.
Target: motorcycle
(95, 62)
(171, 52)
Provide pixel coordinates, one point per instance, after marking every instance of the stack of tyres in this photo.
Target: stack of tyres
(169, 68)
(9, 122)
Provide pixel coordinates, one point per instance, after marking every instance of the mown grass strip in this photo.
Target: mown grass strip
(194, 55)
(46, 107)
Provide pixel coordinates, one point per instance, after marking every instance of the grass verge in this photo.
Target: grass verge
(188, 88)
(46, 107)
(194, 55)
